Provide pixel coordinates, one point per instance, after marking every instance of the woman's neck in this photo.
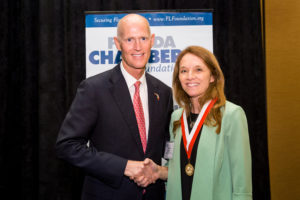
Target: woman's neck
(195, 106)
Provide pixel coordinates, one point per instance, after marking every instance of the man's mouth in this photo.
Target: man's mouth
(138, 55)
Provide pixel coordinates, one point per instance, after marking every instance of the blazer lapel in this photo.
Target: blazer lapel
(204, 169)
(122, 98)
(153, 100)
(174, 181)
(203, 178)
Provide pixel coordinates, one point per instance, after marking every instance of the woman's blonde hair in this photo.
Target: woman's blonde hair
(215, 89)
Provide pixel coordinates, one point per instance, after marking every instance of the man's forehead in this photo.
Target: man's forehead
(135, 31)
(131, 22)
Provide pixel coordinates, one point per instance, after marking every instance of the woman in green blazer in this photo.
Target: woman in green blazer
(211, 158)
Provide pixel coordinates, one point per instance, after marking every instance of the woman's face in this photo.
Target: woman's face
(194, 76)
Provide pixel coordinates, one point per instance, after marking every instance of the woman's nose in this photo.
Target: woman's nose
(190, 74)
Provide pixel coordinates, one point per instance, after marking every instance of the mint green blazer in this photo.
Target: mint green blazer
(223, 166)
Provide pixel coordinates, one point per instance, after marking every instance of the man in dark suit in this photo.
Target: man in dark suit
(114, 123)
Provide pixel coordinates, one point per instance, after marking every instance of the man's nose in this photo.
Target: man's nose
(137, 45)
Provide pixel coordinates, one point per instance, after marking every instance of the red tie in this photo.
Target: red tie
(139, 114)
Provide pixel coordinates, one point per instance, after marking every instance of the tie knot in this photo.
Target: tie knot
(137, 85)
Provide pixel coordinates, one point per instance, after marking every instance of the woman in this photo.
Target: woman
(211, 158)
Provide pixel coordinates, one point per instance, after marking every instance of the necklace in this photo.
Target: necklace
(192, 120)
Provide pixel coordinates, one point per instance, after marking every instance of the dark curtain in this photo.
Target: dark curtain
(19, 134)
(42, 61)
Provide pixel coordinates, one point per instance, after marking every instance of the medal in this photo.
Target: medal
(189, 139)
(189, 169)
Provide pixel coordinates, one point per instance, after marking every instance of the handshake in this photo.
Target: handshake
(145, 172)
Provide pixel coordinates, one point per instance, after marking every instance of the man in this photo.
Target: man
(122, 121)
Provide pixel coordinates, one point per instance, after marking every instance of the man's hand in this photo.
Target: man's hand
(133, 168)
(137, 171)
(145, 172)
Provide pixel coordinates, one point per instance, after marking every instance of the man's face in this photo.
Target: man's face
(135, 42)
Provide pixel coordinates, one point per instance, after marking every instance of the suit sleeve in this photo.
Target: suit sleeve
(71, 144)
(240, 155)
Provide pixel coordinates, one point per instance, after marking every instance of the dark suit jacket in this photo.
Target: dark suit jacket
(102, 113)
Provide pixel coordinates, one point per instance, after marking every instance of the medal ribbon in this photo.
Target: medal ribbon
(189, 143)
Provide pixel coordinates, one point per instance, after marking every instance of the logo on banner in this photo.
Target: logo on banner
(163, 55)
(162, 59)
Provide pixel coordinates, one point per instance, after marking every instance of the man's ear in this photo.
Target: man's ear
(152, 40)
(117, 43)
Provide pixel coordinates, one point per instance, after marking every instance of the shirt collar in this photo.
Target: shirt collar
(130, 80)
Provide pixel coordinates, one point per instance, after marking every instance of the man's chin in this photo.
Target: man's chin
(135, 65)
(139, 67)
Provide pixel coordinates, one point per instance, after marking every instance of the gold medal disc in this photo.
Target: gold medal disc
(189, 169)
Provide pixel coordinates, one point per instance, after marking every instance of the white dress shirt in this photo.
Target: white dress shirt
(130, 81)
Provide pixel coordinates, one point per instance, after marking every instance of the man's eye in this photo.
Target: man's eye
(144, 38)
(129, 40)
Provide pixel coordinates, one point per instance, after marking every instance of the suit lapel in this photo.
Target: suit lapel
(122, 98)
(153, 101)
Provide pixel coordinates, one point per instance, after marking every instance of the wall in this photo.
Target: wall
(282, 32)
